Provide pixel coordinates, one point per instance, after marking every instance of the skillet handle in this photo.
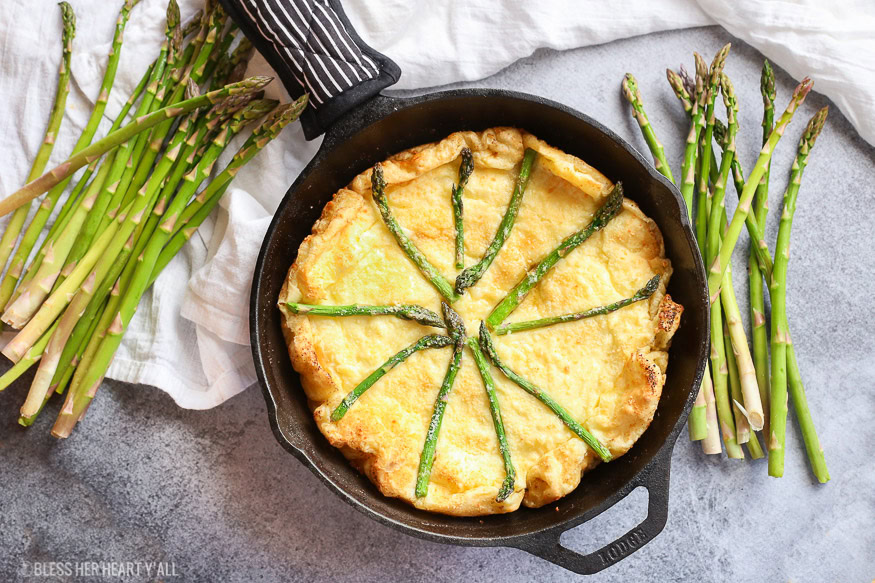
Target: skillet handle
(314, 49)
(656, 480)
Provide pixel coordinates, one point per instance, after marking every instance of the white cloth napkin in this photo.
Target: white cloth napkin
(190, 336)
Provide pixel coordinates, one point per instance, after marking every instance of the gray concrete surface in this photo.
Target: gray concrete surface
(214, 496)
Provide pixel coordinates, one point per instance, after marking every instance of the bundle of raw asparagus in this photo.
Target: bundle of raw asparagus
(741, 393)
(132, 209)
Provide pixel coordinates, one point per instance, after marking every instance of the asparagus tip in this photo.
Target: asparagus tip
(455, 324)
(802, 89)
(68, 18)
(377, 181)
(650, 286)
(630, 88)
(815, 125)
(767, 83)
(719, 61)
(172, 15)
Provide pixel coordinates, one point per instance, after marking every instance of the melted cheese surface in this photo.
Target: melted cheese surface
(607, 371)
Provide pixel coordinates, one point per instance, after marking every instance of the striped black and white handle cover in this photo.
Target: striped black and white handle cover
(314, 49)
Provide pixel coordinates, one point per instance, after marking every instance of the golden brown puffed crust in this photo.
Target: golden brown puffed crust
(351, 257)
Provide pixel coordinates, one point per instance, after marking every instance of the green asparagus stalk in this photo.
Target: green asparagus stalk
(198, 210)
(465, 169)
(803, 417)
(778, 291)
(456, 329)
(13, 229)
(633, 96)
(84, 388)
(89, 154)
(759, 333)
(719, 348)
(731, 312)
(98, 279)
(680, 91)
(39, 220)
(125, 224)
(699, 423)
(688, 169)
(221, 51)
(758, 241)
(721, 260)
(131, 166)
(742, 425)
(32, 295)
(238, 58)
(489, 349)
(378, 186)
(642, 294)
(611, 207)
(720, 374)
(715, 74)
(58, 300)
(472, 274)
(794, 378)
(70, 203)
(495, 410)
(405, 312)
(430, 341)
(216, 24)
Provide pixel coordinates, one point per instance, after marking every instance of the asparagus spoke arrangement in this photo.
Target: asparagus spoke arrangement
(742, 392)
(759, 334)
(611, 207)
(134, 207)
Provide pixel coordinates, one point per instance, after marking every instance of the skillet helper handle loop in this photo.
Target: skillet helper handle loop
(314, 49)
(656, 480)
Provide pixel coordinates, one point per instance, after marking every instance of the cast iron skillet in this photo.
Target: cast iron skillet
(383, 126)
